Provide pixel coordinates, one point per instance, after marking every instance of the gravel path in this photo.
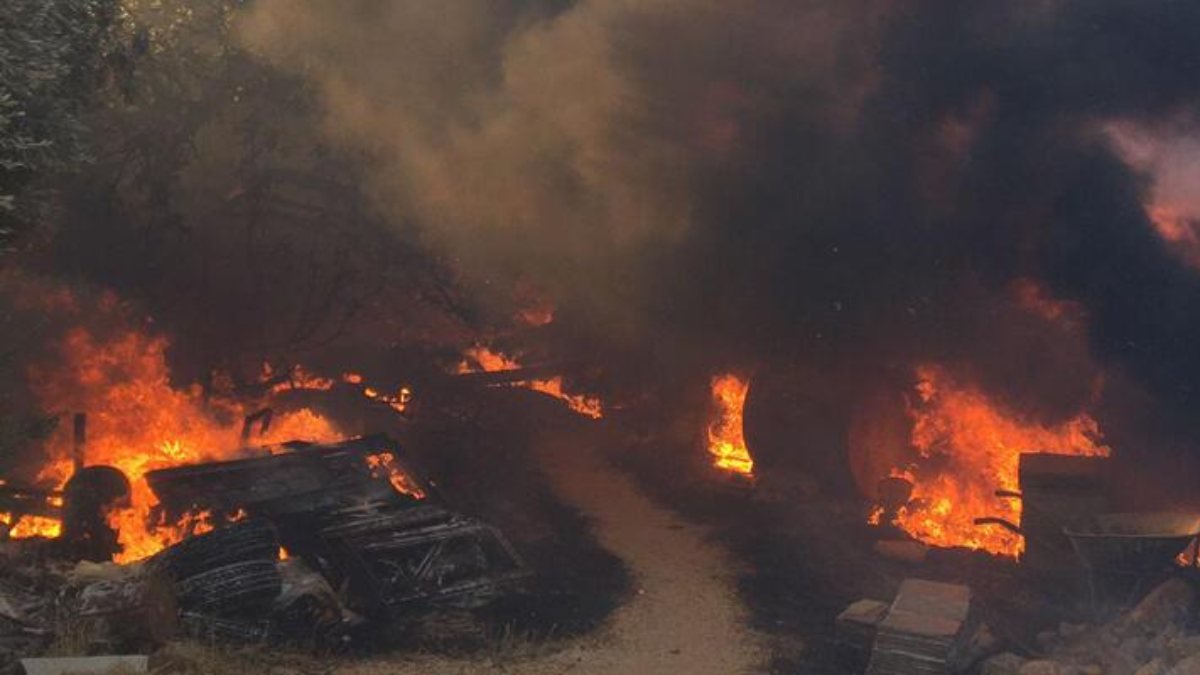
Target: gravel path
(684, 616)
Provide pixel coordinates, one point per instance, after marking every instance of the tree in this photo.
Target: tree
(54, 54)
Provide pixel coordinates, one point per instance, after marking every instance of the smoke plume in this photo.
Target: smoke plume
(836, 181)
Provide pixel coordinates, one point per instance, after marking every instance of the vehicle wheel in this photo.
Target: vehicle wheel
(240, 589)
(240, 542)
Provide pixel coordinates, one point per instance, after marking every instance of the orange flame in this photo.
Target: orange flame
(968, 448)
(490, 361)
(298, 379)
(398, 401)
(139, 422)
(383, 465)
(726, 442)
(31, 526)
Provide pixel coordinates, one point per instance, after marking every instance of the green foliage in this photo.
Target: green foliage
(53, 56)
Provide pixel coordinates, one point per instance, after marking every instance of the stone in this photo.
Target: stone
(1169, 603)
(1188, 666)
(983, 643)
(1183, 647)
(1134, 650)
(1154, 667)
(1002, 664)
(1048, 640)
(86, 665)
(139, 612)
(1045, 667)
(1072, 630)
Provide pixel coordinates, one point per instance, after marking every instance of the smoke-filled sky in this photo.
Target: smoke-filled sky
(835, 177)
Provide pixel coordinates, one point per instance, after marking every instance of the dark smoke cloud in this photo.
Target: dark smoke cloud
(834, 180)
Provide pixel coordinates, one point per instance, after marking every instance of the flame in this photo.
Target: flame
(31, 526)
(398, 401)
(138, 422)
(298, 379)
(490, 361)
(967, 448)
(588, 406)
(383, 465)
(726, 443)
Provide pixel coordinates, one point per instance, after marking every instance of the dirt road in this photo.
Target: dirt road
(684, 616)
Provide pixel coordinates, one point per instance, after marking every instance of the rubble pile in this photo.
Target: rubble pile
(1156, 637)
(323, 539)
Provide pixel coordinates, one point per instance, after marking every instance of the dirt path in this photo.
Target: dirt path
(684, 616)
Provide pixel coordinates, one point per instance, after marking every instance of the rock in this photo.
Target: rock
(1048, 640)
(1183, 647)
(1134, 650)
(87, 572)
(1188, 666)
(1045, 667)
(1072, 630)
(139, 611)
(983, 643)
(88, 665)
(1165, 605)
(1155, 667)
(1002, 664)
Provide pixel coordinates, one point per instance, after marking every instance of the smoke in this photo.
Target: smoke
(832, 181)
(573, 144)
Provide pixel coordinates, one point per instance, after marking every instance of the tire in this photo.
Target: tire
(241, 589)
(241, 542)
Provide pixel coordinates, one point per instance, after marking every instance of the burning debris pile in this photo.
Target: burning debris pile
(509, 372)
(962, 471)
(288, 528)
(1078, 559)
(936, 628)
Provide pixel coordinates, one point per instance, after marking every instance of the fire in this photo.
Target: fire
(298, 379)
(31, 526)
(726, 442)
(588, 406)
(137, 421)
(383, 465)
(398, 401)
(490, 361)
(967, 448)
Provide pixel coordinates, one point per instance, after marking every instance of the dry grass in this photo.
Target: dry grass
(196, 658)
(74, 637)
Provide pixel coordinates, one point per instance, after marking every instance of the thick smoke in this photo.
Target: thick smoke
(832, 181)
